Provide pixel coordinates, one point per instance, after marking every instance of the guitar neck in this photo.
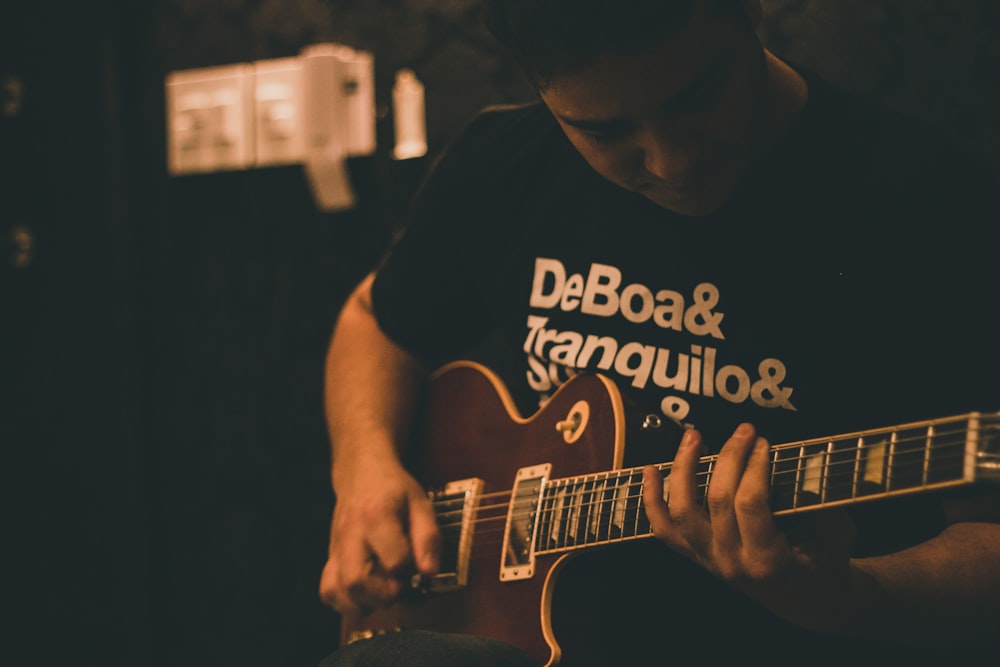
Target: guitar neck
(596, 509)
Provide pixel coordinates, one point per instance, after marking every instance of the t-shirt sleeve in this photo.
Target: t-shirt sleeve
(435, 290)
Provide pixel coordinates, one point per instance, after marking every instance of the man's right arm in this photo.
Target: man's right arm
(383, 527)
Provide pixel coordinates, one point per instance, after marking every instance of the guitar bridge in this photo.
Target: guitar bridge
(455, 508)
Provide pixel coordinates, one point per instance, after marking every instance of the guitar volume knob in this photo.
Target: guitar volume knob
(651, 422)
(573, 426)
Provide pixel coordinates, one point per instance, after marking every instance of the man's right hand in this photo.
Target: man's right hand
(383, 532)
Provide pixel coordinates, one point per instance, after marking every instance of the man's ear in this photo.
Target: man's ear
(754, 11)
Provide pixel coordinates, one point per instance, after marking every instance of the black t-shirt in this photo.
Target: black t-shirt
(846, 284)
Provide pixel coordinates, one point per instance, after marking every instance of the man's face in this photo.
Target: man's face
(677, 123)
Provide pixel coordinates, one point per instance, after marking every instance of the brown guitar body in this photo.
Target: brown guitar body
(566, 465)
(474, 430)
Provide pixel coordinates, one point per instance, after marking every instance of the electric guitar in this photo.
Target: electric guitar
(515, 496)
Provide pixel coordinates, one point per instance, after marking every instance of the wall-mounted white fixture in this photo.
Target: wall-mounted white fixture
(209, 119)
(316, 109)
(277, 112)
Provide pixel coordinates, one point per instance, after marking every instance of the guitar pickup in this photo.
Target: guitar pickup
(455, 508)
(518, 561)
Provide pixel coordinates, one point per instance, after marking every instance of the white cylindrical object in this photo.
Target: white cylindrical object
(408, 115)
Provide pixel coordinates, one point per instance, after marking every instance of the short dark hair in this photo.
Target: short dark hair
(547, 37)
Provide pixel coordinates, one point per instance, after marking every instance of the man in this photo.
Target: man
(746, 252)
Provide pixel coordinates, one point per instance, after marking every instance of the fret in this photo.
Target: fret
(873, 480)
(814, 466)
(598, 514)
(812, 475)
(799, 473)
(571, 512)
(858, 458)
(609, 511)
(909, 463)
(574, 492)
(784, 472)
(950, 451)
(890, 463)
(620, 505)
(826, 471)
(981, 447)
(628, 495)
(573, 517)
(544, 539)
(576, 514)
(635, 491)
(907, 460)
(830, 474)
(928, 445)
(598, 511)
(642, 526)
(839, 481)
(665, 491)
(609, 500)
(559, 511)
(634, 513)
(542, 534)
(586, 509)
(875, 462)
(705, 470)
(558, 515)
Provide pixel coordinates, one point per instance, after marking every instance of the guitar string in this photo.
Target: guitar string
(569, 526)
(576, 524)
(572, 524)
(572, 527)
(815, 449)
(601, 495)
(584, 507)
(833, 467)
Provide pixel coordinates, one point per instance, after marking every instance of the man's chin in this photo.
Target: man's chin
(691, 205)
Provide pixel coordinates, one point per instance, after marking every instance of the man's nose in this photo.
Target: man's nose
(669, 155)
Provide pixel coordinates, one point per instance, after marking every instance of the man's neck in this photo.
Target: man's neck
(787, 92)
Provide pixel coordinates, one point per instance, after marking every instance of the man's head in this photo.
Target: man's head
(667, 98)
(549, 37)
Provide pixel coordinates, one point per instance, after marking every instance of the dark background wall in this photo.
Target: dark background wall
(164, 471)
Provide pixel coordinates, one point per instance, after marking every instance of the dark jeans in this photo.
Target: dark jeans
(419, 648)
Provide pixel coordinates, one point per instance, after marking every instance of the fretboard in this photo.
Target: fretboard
(606, 507)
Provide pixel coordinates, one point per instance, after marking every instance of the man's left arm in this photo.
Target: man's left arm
(943, 591)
